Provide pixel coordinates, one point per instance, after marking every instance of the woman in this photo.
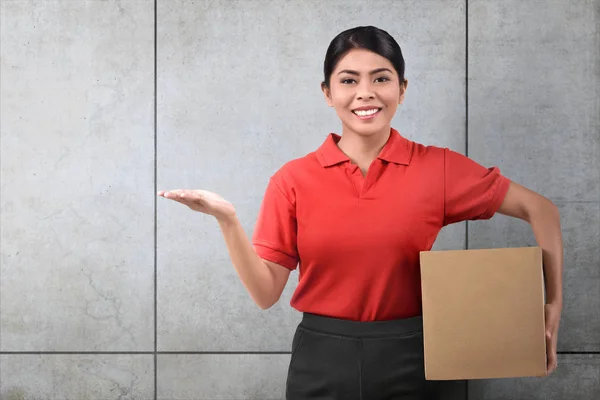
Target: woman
(354, 214)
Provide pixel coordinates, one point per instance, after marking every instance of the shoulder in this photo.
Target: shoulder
(291, 174)
(427, 155)
(422, 150)
(433, 153)
(296, 168)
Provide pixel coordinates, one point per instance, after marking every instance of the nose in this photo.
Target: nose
(364, 90)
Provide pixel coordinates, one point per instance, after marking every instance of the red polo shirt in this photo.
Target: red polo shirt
(357, 240)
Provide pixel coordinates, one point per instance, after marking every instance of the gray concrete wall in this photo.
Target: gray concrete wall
(90, 256)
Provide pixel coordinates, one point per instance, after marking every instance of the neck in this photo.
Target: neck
(363, 149)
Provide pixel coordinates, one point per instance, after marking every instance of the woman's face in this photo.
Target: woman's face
(365, 91)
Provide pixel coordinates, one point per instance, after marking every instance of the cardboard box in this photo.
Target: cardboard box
(483, 313)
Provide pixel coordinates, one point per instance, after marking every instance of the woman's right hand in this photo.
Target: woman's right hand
(202, 201)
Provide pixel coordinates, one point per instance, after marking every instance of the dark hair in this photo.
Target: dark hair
(363, 37)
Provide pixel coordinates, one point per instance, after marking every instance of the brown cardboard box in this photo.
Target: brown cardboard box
(483, 313)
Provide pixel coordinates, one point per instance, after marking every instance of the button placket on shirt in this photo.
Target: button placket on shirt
(363, 184)
(356, 177)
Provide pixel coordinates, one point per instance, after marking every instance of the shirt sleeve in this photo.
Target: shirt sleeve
(274, 236)
(471, 191)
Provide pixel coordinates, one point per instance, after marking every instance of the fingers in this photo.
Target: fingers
(171, 194)
(163, 193)
(190, 194)
(190, 198)
(551, 364)
(552, 360)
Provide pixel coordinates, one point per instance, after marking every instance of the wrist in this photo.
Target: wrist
(228, 219)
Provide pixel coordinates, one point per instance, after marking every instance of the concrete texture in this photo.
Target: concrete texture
(222, 377)
(77, 176)
(534, 93)
(75, 377)
(237, 96)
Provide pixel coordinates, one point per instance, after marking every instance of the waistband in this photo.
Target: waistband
(344, 327)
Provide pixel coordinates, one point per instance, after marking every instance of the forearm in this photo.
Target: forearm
(252, 270)
(545, 223)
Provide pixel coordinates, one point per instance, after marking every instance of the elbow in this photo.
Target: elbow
(266, 303)
(269, 292)
(265, 306)
(543, 208)
(552, 210)
(555, 211)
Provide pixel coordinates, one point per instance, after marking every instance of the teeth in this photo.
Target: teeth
(366, 112)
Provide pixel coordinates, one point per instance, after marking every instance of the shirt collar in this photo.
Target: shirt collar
(396, 150)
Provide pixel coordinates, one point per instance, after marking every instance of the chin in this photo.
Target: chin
(367, 129)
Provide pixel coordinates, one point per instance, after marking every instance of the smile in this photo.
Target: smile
(367, 114)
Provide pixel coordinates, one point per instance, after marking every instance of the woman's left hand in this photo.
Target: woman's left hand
(552, 321)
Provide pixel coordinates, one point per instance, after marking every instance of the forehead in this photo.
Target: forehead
(362, 60)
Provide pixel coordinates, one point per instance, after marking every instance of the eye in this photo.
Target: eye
(347, 81)
(382, 79)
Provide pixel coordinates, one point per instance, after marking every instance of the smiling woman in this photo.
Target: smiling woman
(354, 215)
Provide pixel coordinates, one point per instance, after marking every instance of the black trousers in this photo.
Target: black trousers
(335, 359)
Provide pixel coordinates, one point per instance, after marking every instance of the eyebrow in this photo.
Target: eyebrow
(375, 71)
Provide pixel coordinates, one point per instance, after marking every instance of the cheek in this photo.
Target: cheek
(391, 97)
(342, 100)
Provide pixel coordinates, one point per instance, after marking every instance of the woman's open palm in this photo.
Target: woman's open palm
(202, 201)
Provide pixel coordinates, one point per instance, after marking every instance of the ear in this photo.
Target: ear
(403, 87)
(327, 94)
